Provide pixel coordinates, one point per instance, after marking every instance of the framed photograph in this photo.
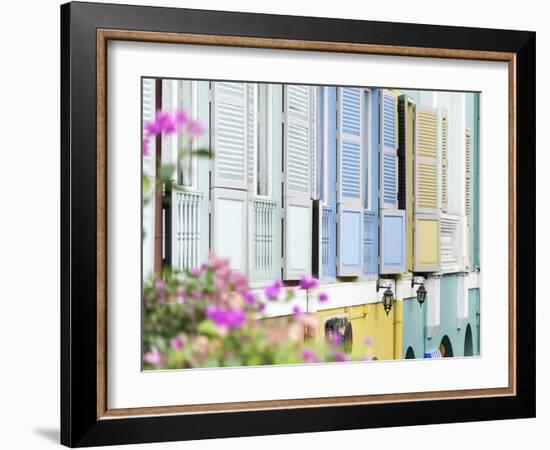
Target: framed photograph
(277, 224)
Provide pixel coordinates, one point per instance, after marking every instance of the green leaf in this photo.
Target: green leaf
(166, 171)
(208, 328)
(203, 153)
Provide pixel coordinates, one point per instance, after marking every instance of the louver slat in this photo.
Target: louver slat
(230, 139)
(350, 151)
(297, 171)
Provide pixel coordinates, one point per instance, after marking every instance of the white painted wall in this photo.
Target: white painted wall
(30, 58)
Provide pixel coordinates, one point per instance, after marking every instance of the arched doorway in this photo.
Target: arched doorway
(468, 342)
(410, 353)
(446, 347)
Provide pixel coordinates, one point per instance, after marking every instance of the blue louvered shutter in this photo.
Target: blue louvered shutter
(392, 220)
(297, 181)
(388, 157)
(350, 177)
(229, 139)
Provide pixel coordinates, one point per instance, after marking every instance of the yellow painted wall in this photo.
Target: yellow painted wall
(371, 321)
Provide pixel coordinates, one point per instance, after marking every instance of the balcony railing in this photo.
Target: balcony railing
(370, 256)
(327, 250)
(186, 228)
(263, 254)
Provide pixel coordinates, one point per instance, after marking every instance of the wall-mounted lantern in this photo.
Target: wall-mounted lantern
(388, 298)
(421, 291)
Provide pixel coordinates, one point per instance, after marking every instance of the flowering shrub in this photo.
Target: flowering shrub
(209, 317)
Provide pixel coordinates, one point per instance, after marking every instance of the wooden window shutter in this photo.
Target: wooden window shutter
(426, 198)
(297, 181)
(468, 172)
(148, 115)
(405, 153)
(229, 137)
(252, 134)
(388, 154)
(351, 137)
(392, 220)
(444, 161)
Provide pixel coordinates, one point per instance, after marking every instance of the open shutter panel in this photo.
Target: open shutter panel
(148, 114)
(426, 248)
(252, 139)
(444, 161)
(349, 176)
(468, 193)
(405, 153)
(468, 173)
(230, 167)
(392, 220)
(297, 202)
(388, 160)
(230, 140)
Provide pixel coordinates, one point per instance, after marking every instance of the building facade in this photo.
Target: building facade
(354, 186)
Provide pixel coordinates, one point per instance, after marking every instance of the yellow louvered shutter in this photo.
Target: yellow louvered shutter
(426, 198)
(444, 161)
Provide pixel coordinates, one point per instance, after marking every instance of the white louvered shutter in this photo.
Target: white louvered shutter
(252, 134)
(148, 115)
(229, 132)
(350, 180)
(427, 226)
(468, 172)
(229, 137)
(297, 181)
(444, 161)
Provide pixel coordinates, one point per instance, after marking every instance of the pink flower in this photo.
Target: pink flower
(368, 341)
(180, 294)
(196, 271)
(240, 282)
(181, 118)
(309, 356)
(145, 146)
(250, 298)
(177, 343)
(296, 310)
(323, 297)
(230, 318)
(340, 357)
(197, 294)
(159, 288)
(308, 282)
(261, 307)
(273, 290)
(195, 128)
(153, 357)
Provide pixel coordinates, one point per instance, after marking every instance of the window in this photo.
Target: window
(186, 164)
(263, 147)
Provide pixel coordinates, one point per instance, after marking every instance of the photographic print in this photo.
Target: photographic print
(302, 224)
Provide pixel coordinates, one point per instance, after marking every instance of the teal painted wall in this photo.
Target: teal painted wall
(447, 327)
(413, 326)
